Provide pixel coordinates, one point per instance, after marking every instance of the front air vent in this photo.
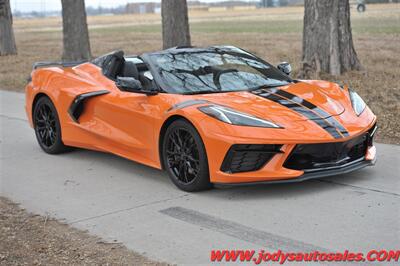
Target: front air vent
(248, 157)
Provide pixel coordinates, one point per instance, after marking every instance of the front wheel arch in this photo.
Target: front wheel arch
(192, 156)
(164, 128)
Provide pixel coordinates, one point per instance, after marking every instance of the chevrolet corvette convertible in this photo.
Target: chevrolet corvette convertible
(215, 115)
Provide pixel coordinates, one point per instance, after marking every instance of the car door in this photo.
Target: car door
(121, 122)
(129, 120)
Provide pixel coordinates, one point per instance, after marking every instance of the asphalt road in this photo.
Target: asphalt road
(124, 201)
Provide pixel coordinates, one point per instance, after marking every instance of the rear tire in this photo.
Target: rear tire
(47, 127)
(185, 158)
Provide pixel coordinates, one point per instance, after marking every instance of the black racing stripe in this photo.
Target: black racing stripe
(304, 111)
(339, 126)
(315, 108)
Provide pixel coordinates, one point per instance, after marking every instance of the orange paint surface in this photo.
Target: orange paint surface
(129, 124)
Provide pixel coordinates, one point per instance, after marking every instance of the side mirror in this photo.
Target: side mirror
(129, 84)
(285, 67)
(132, 85)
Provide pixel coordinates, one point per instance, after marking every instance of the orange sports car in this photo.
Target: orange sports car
(216, 115)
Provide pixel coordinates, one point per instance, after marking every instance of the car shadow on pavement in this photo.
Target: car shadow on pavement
(155, 177)
(272, 191)
(123, 167)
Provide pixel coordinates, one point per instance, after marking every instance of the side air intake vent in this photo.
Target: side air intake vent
(77, 106)
(248, 157)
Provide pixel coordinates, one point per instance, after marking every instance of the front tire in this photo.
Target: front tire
(47, 127)
(185, 158)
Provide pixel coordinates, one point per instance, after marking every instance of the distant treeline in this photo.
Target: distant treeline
(122, 9)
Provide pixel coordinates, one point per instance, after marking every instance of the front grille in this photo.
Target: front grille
(319, 156)
(248, 157)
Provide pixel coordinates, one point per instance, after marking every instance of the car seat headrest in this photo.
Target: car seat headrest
(130, 70)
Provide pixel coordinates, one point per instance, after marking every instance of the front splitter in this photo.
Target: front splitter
(347, 168)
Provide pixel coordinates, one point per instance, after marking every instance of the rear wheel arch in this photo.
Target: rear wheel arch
(48, 132)
(35, 100)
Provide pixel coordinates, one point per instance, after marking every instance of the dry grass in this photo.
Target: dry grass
(274, 34)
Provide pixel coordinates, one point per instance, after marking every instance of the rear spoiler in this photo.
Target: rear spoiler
(49, 64)
(61, 64)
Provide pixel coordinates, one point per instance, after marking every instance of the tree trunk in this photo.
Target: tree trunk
(175, 23)
(75, 31)
(7, 39)
(327, 38)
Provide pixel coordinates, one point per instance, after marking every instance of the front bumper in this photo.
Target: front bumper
(276, 170)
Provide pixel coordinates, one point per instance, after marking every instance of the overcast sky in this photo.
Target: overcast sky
(51, 5)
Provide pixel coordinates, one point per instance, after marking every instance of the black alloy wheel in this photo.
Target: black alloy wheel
(47, 126)
(185, 157)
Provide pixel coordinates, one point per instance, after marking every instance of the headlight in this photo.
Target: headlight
(234, 117)
(357, 102)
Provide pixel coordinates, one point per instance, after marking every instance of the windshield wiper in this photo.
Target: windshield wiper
(203, 92)
(265, 86)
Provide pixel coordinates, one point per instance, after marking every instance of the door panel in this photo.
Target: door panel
(124, 123)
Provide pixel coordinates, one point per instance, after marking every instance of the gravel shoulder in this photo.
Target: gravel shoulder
(29, 239)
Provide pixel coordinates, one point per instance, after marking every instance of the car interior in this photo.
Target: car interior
(116, 65)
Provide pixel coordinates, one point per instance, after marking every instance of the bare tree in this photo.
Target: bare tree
(75, 31)
(7, 39)
(327, 38)
(175, 23)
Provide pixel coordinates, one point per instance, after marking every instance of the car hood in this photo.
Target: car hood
(291, 103)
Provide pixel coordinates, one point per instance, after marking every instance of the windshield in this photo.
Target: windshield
(213, 70)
